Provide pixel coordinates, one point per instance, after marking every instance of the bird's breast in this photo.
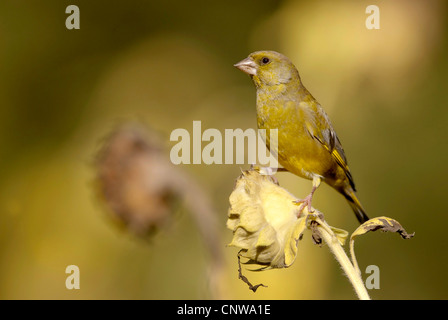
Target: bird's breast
(296, 150)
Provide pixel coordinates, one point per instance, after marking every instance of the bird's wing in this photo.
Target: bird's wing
(319, 127)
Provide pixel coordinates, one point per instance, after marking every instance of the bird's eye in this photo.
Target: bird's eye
(265, 60)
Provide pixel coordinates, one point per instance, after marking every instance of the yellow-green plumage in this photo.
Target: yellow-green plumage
(307, 143)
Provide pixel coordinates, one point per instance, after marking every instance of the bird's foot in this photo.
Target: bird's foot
(305, 202)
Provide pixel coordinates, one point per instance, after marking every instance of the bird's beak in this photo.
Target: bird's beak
(247, 66)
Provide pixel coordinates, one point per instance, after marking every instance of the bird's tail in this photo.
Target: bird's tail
(356, 205)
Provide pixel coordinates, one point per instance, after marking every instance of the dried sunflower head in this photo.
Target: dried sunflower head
(264, 221)
(134, 179)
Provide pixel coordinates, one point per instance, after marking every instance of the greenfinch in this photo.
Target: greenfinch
(307, 143)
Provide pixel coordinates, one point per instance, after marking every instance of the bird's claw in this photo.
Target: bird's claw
(304, 203)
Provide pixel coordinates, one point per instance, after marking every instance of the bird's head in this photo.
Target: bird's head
(268, 68)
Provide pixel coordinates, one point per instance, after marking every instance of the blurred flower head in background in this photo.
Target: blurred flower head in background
(136, 179)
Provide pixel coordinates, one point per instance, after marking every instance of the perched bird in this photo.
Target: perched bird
(307, 143)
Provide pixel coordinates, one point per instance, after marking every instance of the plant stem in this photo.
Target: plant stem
(340, 255)
(352, 254)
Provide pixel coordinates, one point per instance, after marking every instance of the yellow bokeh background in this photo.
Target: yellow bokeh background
(167, 64)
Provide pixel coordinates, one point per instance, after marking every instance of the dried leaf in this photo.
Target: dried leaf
(384, 224)
(341, 234)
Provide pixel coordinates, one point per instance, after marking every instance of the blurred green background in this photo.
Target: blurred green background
(168, 63)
